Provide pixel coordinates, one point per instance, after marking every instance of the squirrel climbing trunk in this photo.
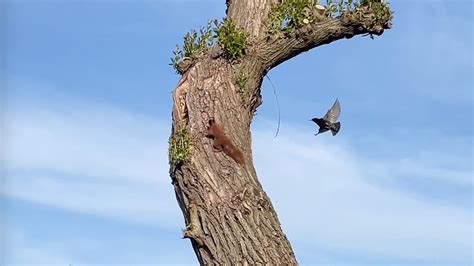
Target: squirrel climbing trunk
(221, 142)
(220, 198)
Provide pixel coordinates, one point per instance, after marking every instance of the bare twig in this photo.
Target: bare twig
(278, 105)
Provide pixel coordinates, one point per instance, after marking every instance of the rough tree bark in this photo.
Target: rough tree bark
(229, 218)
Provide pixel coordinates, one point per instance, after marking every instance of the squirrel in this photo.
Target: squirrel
(223, 143)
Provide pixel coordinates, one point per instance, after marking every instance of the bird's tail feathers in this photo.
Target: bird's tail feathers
(335, 128)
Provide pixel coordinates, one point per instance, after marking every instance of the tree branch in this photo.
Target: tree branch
(371, 19)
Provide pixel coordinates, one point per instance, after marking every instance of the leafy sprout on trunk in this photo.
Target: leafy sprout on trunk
(232, 40)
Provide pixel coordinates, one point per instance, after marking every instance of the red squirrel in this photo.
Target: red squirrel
(223, 143)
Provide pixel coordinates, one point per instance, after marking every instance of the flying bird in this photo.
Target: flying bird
(328, 122)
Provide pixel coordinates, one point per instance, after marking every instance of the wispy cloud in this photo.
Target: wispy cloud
(112, 163)
(335, 200)
(86, 141)
(90, 159)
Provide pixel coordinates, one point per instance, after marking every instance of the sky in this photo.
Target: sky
(86, 116)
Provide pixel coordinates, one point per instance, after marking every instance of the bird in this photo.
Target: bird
(328, 122)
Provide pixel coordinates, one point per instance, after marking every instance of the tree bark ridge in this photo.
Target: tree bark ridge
(250, 15)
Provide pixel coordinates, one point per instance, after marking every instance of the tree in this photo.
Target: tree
(229, 218)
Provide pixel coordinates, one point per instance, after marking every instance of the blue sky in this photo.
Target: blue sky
(86, 116)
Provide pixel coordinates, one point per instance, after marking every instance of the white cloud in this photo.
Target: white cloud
(83, 140)
(91, 159)
(129, 201)
(112, 163)
(428, 166)
(323, 194)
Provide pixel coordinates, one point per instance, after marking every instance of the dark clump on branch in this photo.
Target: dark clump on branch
(372, 18)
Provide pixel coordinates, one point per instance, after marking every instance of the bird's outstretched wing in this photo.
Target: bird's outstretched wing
(333, 114)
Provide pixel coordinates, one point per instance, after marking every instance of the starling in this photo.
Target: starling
(328, 122)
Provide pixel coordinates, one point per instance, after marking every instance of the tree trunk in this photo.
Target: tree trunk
(229, 218)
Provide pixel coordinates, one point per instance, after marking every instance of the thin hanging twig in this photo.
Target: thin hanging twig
(278, 105)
